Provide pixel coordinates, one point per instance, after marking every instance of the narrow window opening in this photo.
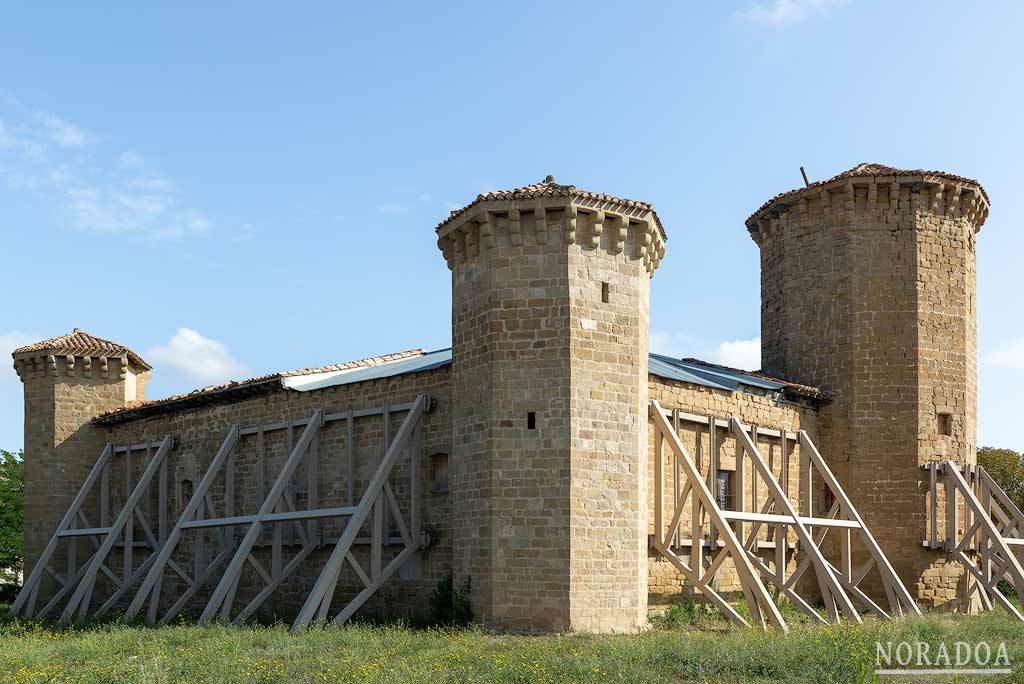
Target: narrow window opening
(531, 420)
(186, 493)
(605, 292)
(945, 422)
(437, 473)
(723, 493)
(828, 498)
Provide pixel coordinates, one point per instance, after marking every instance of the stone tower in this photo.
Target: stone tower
(550, 296)
(68, 381)
(868, 292)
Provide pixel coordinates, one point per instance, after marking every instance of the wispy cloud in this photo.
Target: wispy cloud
(671, 343)
(61, 132)
(779, 13)
(1011, 356)
(742, 354)
(91, 187)
(197, 358)
(8, 343)
(392, 209)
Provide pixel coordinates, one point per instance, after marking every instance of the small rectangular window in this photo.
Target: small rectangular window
(531, 421)
(945, 426)
(605, 292)
(723, 489)
(828, 498)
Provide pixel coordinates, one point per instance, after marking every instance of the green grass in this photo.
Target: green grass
(688, 645)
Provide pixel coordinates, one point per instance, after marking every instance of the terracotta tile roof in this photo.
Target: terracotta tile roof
(550, 188)
(237, 389)
(80, 343)
(867, 170)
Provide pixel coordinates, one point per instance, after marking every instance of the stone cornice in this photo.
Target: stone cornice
(943, 196)
(588, 221)
(36, 365)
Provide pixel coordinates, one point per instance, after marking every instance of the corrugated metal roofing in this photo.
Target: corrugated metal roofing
(688, 370)
(417, 361)
(418, 364)
(709, 375)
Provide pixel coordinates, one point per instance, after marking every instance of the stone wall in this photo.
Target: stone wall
(601, 552)
(763, 411)
(868, 288)
(61, 397)
(608, 407)
(510, 483)
(199, 432)
(550, 342)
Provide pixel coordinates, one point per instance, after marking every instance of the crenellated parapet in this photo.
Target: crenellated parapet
(879, 192)
(32, 366)
(78, 355)
(545, 212)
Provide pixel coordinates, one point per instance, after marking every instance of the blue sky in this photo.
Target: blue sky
(233, 189)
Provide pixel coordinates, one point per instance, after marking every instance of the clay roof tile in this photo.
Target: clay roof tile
(80, 343)
(550, 188)
(863, 171)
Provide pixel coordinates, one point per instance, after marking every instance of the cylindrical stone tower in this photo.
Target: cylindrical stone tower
(68, 380)
(550, 296)
(868, 292)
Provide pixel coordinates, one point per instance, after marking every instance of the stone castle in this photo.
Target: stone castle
(535, 467)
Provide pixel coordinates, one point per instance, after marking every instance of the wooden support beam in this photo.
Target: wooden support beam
(659, 486)
(830, 584)
(78, 604)
(284, 478)
(747, 516)
(322, 591)
(350, 449)
(904, 601)
(758, 600)
(155, 575)
(996, 545)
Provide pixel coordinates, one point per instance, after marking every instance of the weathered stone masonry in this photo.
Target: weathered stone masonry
(537, 465)
(868, 291)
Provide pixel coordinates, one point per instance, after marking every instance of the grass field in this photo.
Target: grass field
(683, 648)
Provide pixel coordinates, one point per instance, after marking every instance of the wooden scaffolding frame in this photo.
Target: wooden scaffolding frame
(377, 498)
(278, 510)
(81, 578)
(991, 539)
(378, 504)
(735, 533)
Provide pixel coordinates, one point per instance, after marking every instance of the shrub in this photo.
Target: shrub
(450, 606)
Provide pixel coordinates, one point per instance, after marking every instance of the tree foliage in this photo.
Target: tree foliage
(1007, 468)
(12, 511)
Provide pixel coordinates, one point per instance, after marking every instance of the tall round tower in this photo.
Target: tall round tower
(868, 292)
(550, 296)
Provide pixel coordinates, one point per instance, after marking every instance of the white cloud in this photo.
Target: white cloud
(131, 159)
(198, 358)
(91, 189)
(392, 209)
(1011, 356)
(779, 13)
(742, 354)
(245, 233)
(676, 345)
(8, 343)
(61, 132)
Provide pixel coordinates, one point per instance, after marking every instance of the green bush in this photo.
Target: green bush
(450, 606)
